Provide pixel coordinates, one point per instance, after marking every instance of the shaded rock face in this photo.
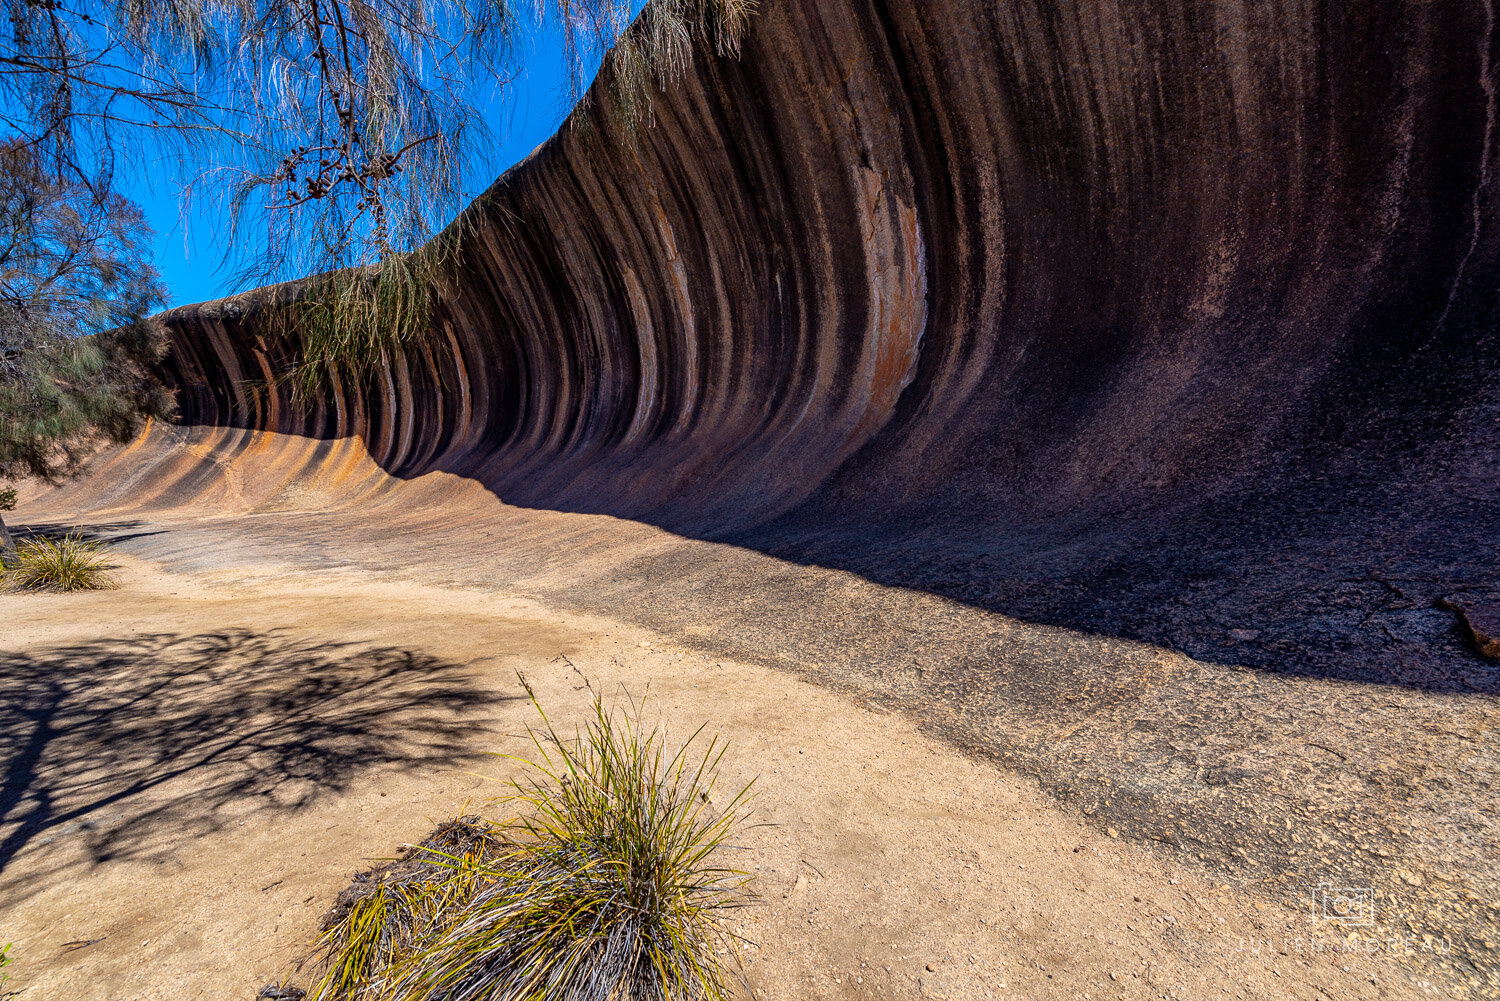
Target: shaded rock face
(1172, 320)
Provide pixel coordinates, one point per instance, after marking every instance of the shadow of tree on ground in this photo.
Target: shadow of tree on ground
(111, 533)
(92, 734)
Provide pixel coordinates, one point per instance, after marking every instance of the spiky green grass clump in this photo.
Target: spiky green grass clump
(71, 563)
(379, 920)
(608, 887)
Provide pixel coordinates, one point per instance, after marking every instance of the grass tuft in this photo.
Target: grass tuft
(382, 917)
(71, 563)
(608, 886)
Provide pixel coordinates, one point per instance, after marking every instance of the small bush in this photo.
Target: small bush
(609, 887)
(71, 563)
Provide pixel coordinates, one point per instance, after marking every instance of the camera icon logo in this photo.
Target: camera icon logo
(1350, 906)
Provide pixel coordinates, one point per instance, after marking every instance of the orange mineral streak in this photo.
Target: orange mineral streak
(898, 295)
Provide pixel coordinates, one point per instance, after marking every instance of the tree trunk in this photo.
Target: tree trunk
(8, 552)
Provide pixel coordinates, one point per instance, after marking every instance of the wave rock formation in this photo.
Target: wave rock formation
(1173, 321)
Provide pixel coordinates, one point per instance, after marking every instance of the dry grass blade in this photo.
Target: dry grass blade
(71, 563)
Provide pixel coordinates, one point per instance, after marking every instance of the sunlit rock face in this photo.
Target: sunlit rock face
(1173, 320)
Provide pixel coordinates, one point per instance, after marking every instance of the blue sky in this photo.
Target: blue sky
(189, 249)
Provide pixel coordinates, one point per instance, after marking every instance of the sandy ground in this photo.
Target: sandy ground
(197, 762)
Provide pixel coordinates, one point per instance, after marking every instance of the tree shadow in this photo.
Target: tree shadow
(108, 532)
(93, 735)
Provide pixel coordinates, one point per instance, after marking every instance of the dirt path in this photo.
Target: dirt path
(197, 762)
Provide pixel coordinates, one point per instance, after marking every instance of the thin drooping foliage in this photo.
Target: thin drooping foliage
(336, 131)
(609, 883)
(660, 47)
(348, 321)
(71, 563)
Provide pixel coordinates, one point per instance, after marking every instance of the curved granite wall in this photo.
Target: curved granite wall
(1172, 320)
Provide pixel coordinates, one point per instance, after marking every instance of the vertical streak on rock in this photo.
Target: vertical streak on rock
(646, 393)
(1487, 84)
(897, 270)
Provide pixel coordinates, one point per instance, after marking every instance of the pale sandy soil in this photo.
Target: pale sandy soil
(196, 763)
